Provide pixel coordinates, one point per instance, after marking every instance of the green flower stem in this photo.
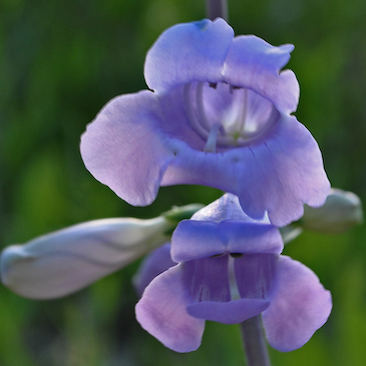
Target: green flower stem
(256, 352)
(216, 9)
(178, 213)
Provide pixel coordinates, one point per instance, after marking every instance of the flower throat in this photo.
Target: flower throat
(227, 116)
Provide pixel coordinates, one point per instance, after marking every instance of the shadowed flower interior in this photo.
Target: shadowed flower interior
(227, 279)
(227, 116)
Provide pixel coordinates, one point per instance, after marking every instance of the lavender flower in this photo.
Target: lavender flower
(219, 115)
(230, 270)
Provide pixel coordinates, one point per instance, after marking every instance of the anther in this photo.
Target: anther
(236, 255)
(234, 87)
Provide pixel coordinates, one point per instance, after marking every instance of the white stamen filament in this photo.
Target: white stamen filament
(212, 138)
(193, 117)
(234, 291)
(200, 106)
(242, 115)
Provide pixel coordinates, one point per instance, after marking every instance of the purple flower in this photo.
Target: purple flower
(230, 270)
(219, 115)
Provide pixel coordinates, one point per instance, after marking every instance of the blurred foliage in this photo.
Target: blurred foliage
(60, 62)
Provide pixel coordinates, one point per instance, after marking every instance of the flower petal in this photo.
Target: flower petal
(123, 149)
(198, 167)
(255, 64)
(67, 260)
(210, 288)
(286, 172)
(188, 52)
(207, 279)
(153, 265)
(227, 207)
(195, 239)
(231, 312)
(299, 306)
(277, 175)
(250, 237)
(162, 312)
(254, 274)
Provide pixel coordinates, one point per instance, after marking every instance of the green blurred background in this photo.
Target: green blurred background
(60, 62)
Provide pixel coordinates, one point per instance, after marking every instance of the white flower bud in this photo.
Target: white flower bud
(62, 262)
(341, 211)
(290, 233)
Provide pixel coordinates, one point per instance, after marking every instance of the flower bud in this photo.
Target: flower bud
(290, 233)
(341, 211)
(62, 262)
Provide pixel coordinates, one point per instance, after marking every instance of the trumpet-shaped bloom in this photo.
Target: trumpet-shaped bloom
(230, 269)
(219, 115)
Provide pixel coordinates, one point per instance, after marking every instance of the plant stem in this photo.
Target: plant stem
(216, 9)
(256, 352)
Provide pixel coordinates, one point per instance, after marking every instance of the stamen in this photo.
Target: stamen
(242, 115)
(234, 87)
(234, 291)
(200, 106)
(193, 117)
(236, 255)
(212, 138)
